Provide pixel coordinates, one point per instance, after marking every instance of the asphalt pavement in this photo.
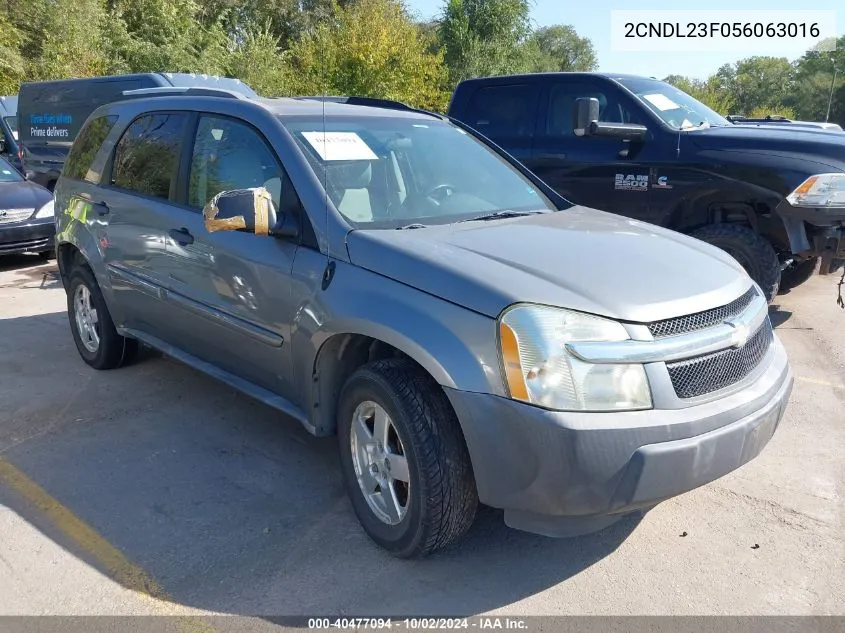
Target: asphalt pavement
(153, 489)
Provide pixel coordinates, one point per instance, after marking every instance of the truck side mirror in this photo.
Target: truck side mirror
(585, 112)
(585, 123)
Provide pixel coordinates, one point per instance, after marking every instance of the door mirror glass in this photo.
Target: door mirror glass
(248, 210)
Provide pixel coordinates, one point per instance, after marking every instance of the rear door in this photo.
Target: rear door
(233, 289)
(506, 114)
(599, 172)
(135, 210)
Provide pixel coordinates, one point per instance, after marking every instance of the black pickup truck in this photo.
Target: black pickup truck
(773, 197)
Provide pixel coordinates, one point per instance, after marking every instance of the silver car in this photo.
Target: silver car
(387, 276)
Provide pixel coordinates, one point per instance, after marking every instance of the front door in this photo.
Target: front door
(598, 172)
(233, 288)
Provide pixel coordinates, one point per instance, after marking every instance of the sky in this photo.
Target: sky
(593, 21)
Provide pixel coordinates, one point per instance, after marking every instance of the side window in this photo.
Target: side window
(503, 111)
(147, 154)
(562, 98)
(232, 155)
(85, 148)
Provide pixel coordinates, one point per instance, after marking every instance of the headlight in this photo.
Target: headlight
(539, 370)
(46, 211)
(824, 190)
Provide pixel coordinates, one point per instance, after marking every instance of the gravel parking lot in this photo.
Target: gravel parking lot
(154, 489)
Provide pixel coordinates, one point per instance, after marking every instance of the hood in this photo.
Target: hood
(23, 195)
(579, 258)
(819, 145)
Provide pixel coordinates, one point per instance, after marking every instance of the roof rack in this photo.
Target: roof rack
(373, 102)
(171, 91)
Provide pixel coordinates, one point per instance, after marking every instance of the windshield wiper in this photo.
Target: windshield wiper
(415, 225)
(505, 213)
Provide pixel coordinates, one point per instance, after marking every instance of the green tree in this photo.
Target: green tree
(371, 48)
(813, 80)
(73, 43)
(560, 48)
(171, 35)
(756, 82)
(485, 37)
(12, 63)
(259, 61)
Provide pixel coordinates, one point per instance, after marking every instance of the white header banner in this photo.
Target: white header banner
(778, 33)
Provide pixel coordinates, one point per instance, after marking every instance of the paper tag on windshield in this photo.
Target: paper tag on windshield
(661, 102)
(339, 146)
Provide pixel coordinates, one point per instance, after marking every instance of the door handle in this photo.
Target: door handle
(551, 157)
(181, 236)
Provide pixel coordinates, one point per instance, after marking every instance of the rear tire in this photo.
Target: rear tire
(753, 251)
(96, 338)
(797, 273)
(437, 505)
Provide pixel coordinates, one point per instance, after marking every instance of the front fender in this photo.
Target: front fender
(456, 346)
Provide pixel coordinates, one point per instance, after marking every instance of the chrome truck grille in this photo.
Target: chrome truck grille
(700, 375)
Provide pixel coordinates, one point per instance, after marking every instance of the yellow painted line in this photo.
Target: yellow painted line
(112, 559)
(823, 383)
(118, 566)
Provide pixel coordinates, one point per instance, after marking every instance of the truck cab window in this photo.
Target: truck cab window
(503, 111)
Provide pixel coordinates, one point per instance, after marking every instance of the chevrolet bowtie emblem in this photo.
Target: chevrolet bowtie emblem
(739, 336)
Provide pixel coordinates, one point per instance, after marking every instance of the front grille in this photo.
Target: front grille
(705, 374)
(701, 320)
(41, 244)
(14, 215)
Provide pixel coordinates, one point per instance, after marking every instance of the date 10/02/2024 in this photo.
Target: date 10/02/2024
(414, 624)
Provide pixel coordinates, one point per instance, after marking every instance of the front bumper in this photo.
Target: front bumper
(31, 236)
(564, 474)
(814, 232)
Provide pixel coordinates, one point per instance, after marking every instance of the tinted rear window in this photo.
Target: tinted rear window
(147, 154)
(87, 145)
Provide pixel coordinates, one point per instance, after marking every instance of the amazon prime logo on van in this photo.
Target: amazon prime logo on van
(631, 182)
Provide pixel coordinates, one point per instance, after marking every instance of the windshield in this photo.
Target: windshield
(677, 109)
(12, 122)
(8, 173)
(400, 171)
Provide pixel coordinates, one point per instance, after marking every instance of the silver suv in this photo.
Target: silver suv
(386, 275)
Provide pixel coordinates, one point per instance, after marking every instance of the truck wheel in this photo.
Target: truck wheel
(753, 251)
(94, 333)
(797, 273)
(404, 460)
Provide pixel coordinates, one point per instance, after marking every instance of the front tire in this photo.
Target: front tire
(753, 251)
(96, 338)
(404, 460)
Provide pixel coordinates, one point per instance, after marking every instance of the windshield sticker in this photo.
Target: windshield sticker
(661, 102)
(339, 146)
(631, 182)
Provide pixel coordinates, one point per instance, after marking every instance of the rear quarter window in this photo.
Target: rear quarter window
(85, 148)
